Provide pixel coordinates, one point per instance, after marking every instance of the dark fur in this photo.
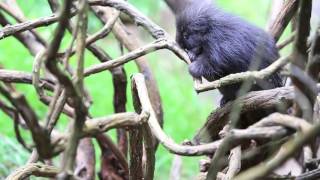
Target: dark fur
(220, 44)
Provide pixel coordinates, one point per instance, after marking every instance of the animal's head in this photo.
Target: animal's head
(192, 24)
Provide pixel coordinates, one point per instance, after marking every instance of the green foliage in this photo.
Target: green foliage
(254, 11)
(184, 110)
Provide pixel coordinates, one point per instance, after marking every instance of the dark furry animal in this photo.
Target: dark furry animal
(219, 44)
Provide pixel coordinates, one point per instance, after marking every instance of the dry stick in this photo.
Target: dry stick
(239, 77)
(261, 133)
(50, 123)
(275, 9)
(136, 153)
(35, 169)
(5, 7)
(13, 76)
(107, 28)
(140, 19)
(39, 135)
(305, 96)
(283, 18)
(81, 44)
(70, 51)
(217, 159)
(159, 44)
(55, 108)
(234, 163)
(300, 51)
(136, 144)
(14, 115)
(313, 66)
(277, 119)
(28, 25)
(36, 74)
(24, 37)
(66, 109)
(102, 33)
(149, 148)
(98, 125)
(309, 92)
(14, 10)
(136, 169)
(119, 79)
(287, 41)
(70, 154)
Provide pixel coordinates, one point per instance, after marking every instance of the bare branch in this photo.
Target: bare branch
(24, 26)
(286, 13)
(35, 169)
(239, 77)
(156, 31)
(159, 44)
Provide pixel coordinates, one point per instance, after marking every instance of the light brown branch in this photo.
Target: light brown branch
(35, 169)
(140, 19)
(239, 77)
(283, 18)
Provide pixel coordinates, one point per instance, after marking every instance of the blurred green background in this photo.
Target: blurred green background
(184, 110)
